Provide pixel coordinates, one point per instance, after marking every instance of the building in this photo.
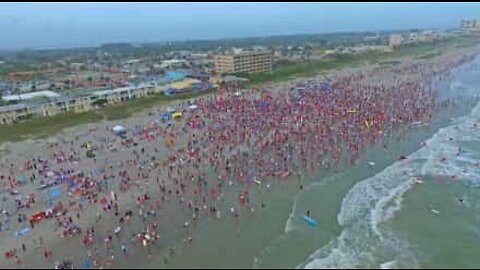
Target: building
(426, 36)
(395, 40)
(87, 100)
(173, 63)
(14, 113)
(469, 24)
(243, 62)
(63, 105)
(413, 37)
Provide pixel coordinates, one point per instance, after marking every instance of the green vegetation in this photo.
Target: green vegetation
(389, 62)
(45, 126)
(287, 70)
(312, 67)
(40, 127)
(428, 55)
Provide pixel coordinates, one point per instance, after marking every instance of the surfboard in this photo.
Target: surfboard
(310, 221)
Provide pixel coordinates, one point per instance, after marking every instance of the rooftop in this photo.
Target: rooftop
(47, 94)
(183, 84)
(10, 108)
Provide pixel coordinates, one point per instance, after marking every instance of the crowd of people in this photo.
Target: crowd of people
(203, 164)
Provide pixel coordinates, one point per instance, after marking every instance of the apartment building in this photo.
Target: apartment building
(243, 62)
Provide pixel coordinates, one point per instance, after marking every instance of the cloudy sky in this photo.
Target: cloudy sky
(46, 25)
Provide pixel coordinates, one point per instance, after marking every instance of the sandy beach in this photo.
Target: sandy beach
(174, 193)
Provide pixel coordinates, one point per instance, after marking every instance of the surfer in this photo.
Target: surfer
(308, 213)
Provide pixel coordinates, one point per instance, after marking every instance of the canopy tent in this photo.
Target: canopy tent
(177, 114)
(193, 107)
(119, 130)
(166, 116)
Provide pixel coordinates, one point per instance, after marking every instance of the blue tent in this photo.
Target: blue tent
(166, 116)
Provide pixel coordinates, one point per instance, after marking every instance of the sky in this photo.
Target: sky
(54, 25)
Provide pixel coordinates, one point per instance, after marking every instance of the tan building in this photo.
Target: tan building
(14, 113)
(395, 40)
(243, 62)
(79, 104)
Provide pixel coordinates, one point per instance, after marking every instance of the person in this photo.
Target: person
(308, 213)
